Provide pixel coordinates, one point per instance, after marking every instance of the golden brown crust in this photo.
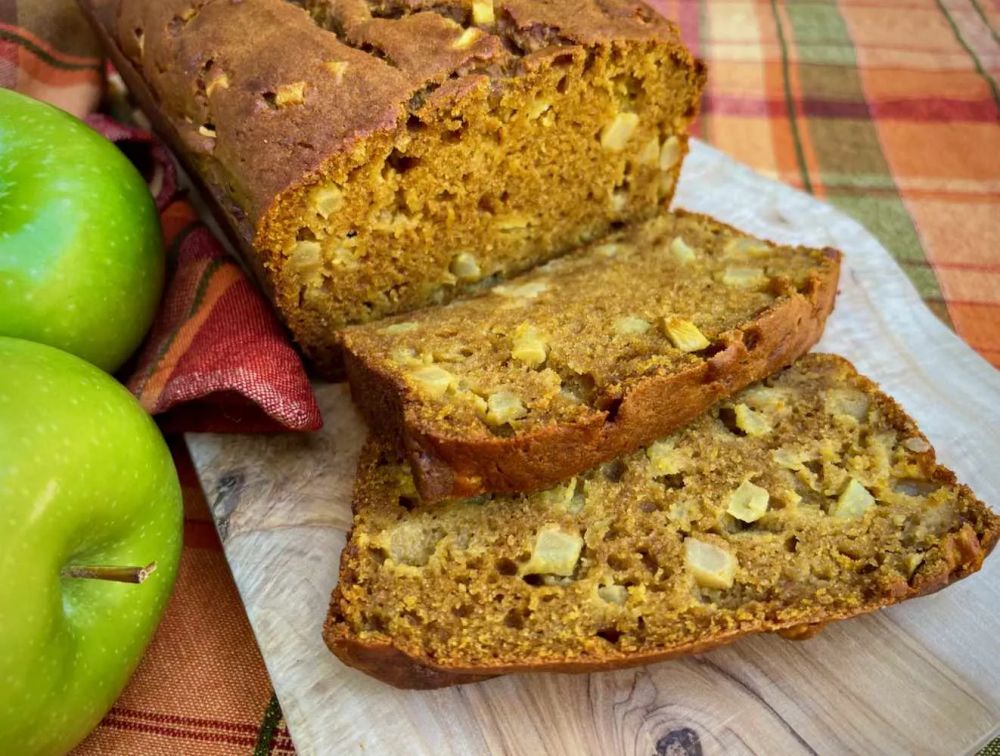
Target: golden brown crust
(225, 209)
(447, 467)
(957, 554)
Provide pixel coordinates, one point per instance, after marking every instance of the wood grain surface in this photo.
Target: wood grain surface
(922, 677)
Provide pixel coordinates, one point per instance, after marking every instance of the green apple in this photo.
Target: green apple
(87, 486)
(81, 252)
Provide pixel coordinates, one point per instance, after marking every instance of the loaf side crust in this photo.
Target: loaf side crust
(230, 216)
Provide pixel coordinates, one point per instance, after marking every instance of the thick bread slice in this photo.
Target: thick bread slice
(807, 498)
(374, 157)
(588, 357)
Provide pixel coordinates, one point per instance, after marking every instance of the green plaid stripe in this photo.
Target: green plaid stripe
(888, 111)
(851, 162)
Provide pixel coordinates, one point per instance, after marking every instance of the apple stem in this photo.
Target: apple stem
(109, 572)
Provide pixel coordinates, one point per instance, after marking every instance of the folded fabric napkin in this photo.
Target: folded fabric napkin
(216, 358)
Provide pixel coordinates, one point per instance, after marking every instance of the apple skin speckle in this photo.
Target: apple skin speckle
(86, 479)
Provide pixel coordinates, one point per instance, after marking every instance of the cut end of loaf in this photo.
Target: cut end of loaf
(806, 498)
(487, 176)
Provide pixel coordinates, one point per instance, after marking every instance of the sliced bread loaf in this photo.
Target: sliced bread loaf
(364, 150)
(588, 357)
(807, 498)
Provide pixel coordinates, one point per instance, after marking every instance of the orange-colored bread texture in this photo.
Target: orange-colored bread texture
(807, 498)
(587, 357)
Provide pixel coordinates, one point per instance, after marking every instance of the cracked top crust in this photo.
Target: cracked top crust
(263, 92)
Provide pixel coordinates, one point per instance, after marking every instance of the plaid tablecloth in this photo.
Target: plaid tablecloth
(886, 108)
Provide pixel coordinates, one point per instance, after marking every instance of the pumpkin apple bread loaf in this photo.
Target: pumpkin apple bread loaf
(827, 504)
(587, 357)
(374, 156)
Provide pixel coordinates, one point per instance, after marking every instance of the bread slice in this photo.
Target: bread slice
(377, 156)
(589, 357)
(807, 498)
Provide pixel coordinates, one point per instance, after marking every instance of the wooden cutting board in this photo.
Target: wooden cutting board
(923, 677)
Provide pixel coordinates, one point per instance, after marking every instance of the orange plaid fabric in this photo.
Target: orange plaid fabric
(47, 51)
(201, 689)
(888, 109)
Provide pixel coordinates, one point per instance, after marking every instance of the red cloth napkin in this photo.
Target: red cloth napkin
(216, 358)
